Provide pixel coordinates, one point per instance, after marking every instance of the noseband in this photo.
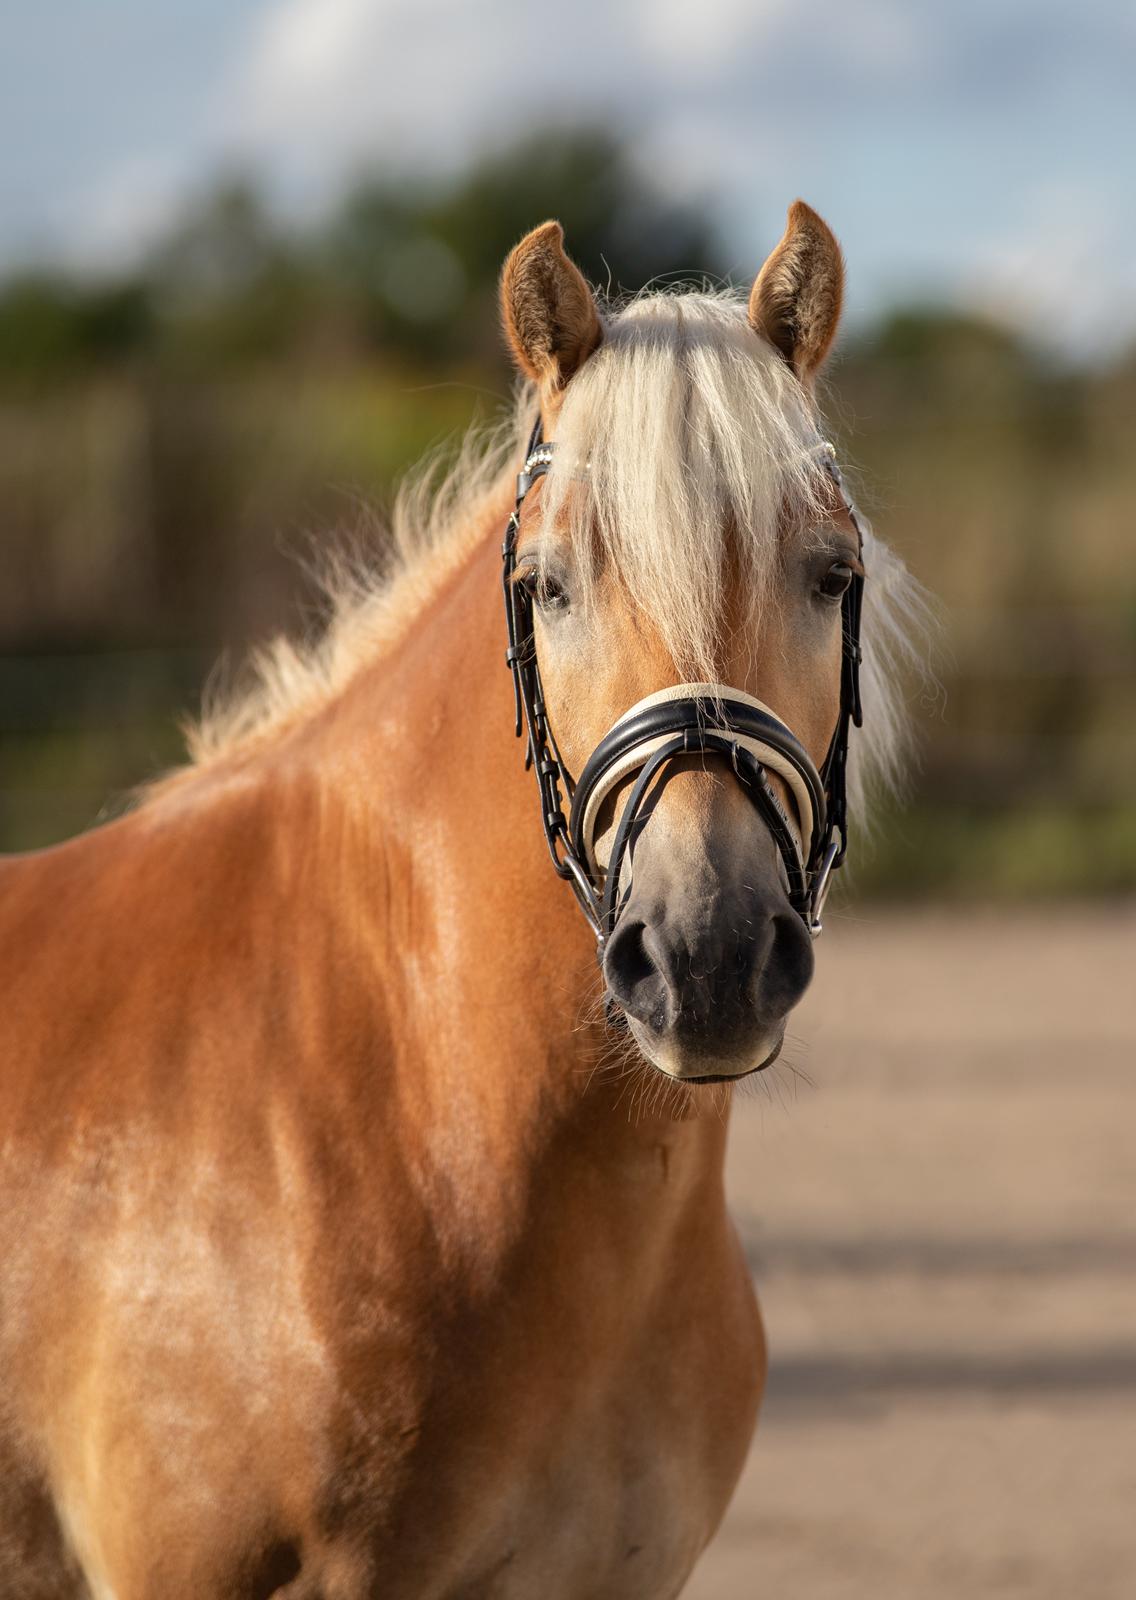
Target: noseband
(690, 718)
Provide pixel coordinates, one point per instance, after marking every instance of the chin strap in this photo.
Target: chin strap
(686, 719)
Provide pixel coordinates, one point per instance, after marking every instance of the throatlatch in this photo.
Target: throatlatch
(688, 718)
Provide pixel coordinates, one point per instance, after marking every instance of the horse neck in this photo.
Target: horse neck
(492, 993)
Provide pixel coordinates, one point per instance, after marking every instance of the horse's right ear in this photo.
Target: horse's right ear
(550, 315)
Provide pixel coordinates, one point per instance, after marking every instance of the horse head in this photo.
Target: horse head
(683, 547)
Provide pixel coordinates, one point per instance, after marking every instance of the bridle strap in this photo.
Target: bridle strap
(686, 719)
(750, 773)
(696, 708)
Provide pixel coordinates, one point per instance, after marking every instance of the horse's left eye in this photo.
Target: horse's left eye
(545, 591)
(835, 580)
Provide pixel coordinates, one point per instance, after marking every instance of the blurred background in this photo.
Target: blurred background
(248, 256)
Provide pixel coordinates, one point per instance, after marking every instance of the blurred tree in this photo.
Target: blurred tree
(230, 282)
(50, 326)
(404, 265)
(423, 260)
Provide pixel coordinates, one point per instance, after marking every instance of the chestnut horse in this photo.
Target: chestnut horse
(348, 1249)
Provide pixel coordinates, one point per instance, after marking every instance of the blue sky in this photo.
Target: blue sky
(981, 151)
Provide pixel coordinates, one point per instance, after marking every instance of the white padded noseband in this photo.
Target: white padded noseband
(801, 819)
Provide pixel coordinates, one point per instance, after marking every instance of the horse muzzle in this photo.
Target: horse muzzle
(705, 954)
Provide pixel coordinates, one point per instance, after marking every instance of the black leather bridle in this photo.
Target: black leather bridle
(722, 723)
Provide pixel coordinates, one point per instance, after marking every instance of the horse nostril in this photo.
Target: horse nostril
(633, 975)
(782, 978)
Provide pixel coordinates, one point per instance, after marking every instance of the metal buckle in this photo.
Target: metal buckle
(821, 885)
(569, 867)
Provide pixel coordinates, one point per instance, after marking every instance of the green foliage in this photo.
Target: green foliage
(231, 287)
(1039, 851)
(51, 327)
(422, 263)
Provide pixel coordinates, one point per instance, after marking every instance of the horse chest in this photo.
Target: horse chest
(618, 1511)
(595, 1458)
(607, 1485)
(375, 1422)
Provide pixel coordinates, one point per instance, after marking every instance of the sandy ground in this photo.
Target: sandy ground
(943, 1232)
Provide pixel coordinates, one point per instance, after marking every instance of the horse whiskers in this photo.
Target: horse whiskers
(659, 1096)
(773, 1086)
(615, 1057)
(648, 1092)
(785, 1059)
(592, 1012)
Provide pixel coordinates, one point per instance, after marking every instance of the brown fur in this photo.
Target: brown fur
(797, 296)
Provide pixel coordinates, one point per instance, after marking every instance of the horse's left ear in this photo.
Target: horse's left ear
(550, 315)
(796, 298)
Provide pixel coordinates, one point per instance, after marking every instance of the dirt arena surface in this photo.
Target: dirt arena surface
(943, 1232)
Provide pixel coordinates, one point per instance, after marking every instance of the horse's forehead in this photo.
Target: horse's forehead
(832, 509)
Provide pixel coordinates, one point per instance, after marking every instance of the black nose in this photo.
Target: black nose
(737, 975)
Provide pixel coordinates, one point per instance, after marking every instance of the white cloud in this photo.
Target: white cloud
(693, 42)
(326, 82)
(306, 46)
(125, 212)
(697, 38)
(1061, 267)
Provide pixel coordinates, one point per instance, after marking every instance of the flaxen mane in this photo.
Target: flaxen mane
(681, 427)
